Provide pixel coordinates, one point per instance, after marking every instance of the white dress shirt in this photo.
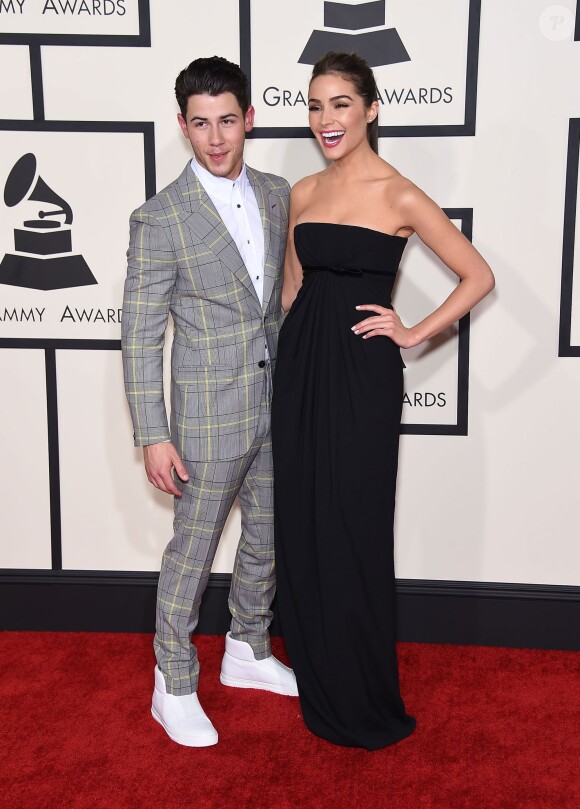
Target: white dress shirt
(236, 204)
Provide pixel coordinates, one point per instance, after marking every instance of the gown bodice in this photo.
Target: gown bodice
(347, 248)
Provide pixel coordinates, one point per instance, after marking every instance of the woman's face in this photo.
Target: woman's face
(337, 115)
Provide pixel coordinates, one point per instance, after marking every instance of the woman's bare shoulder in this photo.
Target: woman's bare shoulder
(305, 186)
(302, 193)
(402, 193)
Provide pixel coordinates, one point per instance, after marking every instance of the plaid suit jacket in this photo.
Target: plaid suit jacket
(182, 261)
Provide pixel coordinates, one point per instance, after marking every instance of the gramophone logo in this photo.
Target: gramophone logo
(382, 46)
(42, 257)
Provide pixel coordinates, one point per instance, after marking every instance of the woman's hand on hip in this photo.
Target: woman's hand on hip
(385, 323)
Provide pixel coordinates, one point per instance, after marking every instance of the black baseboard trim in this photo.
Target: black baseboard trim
(482, 613)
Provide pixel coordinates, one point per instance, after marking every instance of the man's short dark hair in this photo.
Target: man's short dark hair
(212, 76)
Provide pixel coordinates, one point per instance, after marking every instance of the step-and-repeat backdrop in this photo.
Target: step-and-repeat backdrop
(480, 106)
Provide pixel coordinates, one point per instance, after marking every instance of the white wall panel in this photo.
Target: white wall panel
(15, 95)
(24, 488)
(113, 518)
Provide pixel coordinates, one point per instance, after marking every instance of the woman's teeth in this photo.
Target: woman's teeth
(332, 138)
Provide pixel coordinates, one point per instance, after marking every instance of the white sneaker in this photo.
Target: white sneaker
(183, 717)
(240, 669)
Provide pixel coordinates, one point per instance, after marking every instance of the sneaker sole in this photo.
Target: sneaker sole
(200, 741)
(237, 682)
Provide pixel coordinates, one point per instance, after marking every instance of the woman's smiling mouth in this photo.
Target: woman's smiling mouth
(333, 137)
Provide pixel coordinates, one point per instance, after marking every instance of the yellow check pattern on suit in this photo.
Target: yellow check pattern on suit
(182, 261)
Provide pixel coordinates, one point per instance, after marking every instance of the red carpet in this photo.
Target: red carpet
(496, 728)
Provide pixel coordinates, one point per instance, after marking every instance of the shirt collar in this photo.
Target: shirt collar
(220, 188)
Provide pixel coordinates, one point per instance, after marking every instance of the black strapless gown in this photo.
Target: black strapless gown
(335, 423)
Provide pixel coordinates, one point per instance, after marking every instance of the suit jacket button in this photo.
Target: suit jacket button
(262, 363)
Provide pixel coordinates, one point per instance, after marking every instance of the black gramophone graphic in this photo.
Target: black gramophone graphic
(43, 257)
(381, 47)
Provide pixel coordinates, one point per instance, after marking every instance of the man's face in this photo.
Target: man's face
(216, 128)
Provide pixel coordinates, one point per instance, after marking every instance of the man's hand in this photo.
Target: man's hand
(160, 459)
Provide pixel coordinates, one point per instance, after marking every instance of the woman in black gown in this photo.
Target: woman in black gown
(336, 412)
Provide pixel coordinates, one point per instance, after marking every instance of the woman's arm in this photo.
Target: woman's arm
(434, 228)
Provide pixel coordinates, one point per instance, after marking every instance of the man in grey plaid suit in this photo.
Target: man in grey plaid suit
(209, 250)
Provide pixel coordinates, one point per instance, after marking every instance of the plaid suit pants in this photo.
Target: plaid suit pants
(200, 515)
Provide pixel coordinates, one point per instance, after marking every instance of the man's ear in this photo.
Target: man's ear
(249, 119)
(183, 124)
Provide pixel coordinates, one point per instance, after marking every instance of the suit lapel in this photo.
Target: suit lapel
(201, 216)
(265, 204)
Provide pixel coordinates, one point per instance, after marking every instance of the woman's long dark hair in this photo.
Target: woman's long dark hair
(356, 70)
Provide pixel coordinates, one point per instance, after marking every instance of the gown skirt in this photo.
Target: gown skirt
(336, 415)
